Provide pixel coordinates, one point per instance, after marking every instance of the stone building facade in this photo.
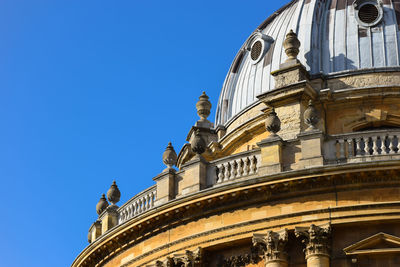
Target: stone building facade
(300, 168)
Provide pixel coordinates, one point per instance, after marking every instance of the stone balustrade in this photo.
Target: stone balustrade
(238, 166)
(363, 144)
(137, 205)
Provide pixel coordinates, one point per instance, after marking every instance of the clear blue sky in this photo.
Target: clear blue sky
(92, 91)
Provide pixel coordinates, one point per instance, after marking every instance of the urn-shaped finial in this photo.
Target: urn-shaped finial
(169, 156)
(203, 107)
(101, 205)
(273, 123)
(311, 116)
(113, 194)
(291, 45)
(198, 143)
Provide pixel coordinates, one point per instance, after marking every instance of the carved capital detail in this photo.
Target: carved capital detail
(272, 244)
(241, 260)
(316, 239)
(187, 259)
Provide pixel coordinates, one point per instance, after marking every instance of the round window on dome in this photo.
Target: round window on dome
(368, 13)
(256, 50)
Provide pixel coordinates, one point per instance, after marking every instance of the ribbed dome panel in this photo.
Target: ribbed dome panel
(332, 40)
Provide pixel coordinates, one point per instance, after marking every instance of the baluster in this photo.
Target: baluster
(366, 146)
(398, 144)
(139, 206)
(253, 165)
(221, 175)
(375, 147)
(227, 171)
(391, 144)
(150, 204)
(233, 169)
(147, 202)
(135, 208)
(246, 166)
(142, 205)
(153, 197)
(341, 148)
(122, 217)
(240, 167)
(129, 212)
(358, 147)
(350, 148)
(385, 145)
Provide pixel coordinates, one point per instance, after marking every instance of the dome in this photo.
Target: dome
(337, 37)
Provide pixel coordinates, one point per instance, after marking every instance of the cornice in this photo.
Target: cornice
(262, 189)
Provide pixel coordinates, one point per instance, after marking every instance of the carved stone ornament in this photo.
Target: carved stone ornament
(273, 123)
(291, 45)
(101, 205)
(315, 239)
(273, 245)
(188, 259)
(241, 260)
(203, 107)
(311, 116)
(169, 156)
(113, 194)
(198, 143)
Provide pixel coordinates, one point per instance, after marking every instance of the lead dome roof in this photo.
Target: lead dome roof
(333, 40)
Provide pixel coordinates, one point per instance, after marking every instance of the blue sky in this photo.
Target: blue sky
(92, 91)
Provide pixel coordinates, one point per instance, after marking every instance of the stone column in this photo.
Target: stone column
(316, 240)
(273, 245)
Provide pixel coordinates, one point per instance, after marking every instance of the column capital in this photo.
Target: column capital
(273, 245)
(316, 239)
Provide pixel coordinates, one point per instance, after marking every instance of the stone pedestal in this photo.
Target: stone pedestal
(316, 240)
(194, 177)
(290, 72)
(109, 218)
(311, 148)
(94, 231)
(165, 186)
(271, 155)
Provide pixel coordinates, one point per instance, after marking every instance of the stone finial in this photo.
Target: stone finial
(203, 107)
(316, 239)
(291, 45)
(113, 194)
(311, 116)
(273, 123)
(101, 205)
(169, 156)
(198, 143)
